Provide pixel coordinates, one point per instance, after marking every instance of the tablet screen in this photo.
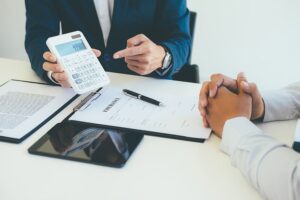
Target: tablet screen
(88, 143)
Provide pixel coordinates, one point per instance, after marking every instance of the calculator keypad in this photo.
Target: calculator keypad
(84, 69)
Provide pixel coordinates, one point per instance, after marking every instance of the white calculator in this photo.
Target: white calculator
(76, 57)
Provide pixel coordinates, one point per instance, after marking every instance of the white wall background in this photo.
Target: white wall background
(12, 32)
(259, 37)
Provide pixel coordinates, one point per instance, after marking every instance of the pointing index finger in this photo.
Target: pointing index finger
(131, 51)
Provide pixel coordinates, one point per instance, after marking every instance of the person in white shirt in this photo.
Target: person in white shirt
(227, 106)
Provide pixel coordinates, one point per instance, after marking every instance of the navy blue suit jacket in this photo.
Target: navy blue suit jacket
(165, 22)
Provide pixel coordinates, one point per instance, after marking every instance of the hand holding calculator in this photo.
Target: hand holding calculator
(76, 57)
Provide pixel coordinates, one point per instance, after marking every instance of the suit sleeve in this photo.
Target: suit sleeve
(282, 104)
(269, 165)
(42, 22)
(173, 26)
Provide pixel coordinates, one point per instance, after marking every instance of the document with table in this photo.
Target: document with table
(25, 106)
(178, 118)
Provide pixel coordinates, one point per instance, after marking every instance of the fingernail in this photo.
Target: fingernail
(245, 84)
(242, 74)
(116, 56)
(202, 113)
(211, 93)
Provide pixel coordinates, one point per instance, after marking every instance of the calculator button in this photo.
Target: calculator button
(78, 81)
(75, 76)
(85, 70)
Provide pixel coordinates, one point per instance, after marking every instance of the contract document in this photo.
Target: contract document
(24, 106)
(179, 117)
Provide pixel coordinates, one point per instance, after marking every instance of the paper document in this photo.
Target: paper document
(111, 107)
(25, 105)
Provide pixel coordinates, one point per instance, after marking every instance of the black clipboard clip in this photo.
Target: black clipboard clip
(296, 145)
(87, 101)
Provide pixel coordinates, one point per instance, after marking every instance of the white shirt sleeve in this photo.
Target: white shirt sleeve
(49, 74)
(282, 104)
(270, 166)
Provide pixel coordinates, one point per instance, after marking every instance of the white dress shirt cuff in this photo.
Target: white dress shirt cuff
(49, 74)
(234, 130)
(162, 72)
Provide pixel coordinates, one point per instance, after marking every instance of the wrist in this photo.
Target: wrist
(261, 115)
(166, 60)
(162, 52)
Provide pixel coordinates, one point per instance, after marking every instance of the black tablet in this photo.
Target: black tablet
(88, 143)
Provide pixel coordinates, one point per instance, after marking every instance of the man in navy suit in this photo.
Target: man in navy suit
(145, 37)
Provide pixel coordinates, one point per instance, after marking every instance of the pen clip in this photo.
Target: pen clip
(86, 102)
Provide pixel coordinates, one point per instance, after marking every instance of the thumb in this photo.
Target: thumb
(97, 52)
(244, 86)
(249, 88)
(241, 80)
(257, 101)
(136, 40)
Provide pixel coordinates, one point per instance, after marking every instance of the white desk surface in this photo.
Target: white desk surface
(159, 169)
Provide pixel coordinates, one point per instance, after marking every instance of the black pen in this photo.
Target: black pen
(143, 98)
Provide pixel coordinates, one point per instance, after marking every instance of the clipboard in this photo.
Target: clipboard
(29, 131)
(93, 97)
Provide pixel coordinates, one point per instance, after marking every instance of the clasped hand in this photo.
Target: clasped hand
(223, 98)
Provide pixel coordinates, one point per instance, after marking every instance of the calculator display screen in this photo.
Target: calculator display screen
(70, 47)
